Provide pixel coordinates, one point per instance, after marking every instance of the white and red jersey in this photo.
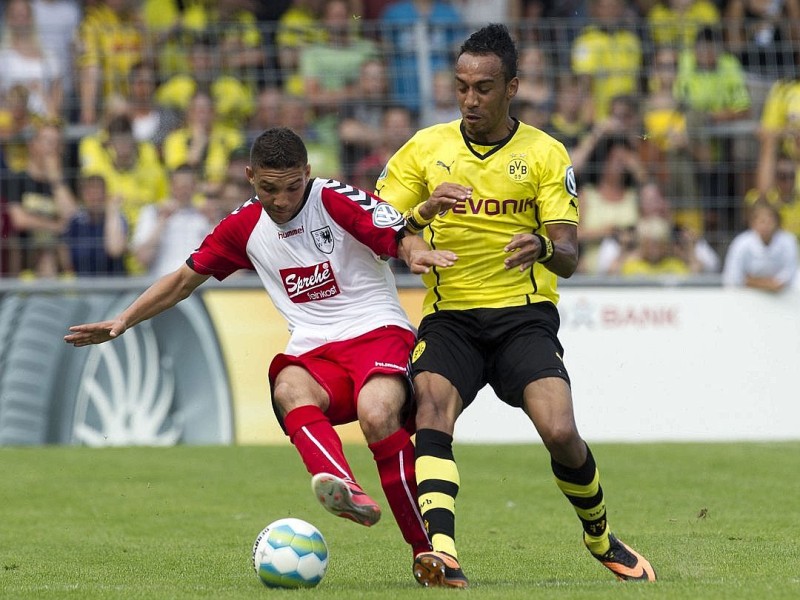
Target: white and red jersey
(322, 269)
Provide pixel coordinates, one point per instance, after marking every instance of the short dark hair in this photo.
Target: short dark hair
(708, 34)
(494, 39)
(120, 124)
(92, 178)
(184, 168)
(278, 148)
(239, 153)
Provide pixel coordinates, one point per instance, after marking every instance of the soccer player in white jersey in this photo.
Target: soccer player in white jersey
(316, 246)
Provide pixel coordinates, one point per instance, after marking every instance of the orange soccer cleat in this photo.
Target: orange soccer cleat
(625, 563)
(345, 499)
(439, 569)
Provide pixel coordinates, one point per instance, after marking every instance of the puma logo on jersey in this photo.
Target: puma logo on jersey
(439, 163)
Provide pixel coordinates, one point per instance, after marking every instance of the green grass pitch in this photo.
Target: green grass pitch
(716, 520)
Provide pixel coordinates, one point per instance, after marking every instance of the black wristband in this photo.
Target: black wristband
(546, 248)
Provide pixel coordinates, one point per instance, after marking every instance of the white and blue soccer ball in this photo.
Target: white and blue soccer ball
(290, 553)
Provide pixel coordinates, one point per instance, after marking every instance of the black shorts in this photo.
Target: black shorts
(504, 347)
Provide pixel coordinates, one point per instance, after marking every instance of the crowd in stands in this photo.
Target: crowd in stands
(125, 124)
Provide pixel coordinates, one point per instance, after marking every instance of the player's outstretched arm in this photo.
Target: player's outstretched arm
(162, 295)
(419, 257)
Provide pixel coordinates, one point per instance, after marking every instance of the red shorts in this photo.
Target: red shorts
(342, 368)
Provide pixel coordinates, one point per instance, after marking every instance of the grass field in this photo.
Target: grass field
(716, 520)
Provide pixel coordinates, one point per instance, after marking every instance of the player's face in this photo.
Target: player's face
(484, 96)
(280, 191)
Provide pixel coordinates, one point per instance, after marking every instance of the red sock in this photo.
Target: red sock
(394, 456)
(317, 442)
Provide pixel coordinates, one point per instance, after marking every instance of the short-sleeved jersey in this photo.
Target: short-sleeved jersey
(322, 268)
(111, 43)
(144, 183)
(722, 88)
(222, 141)
(519, 185)
(638, 267)
(612, 58)
(336, 67)
(679, 28)
(233, 99)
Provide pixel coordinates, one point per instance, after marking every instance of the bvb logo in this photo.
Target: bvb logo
(517, 169)
(418, 350)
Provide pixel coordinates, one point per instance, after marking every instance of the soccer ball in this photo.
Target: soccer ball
(290, 553)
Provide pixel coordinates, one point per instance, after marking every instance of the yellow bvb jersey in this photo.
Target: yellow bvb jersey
(519, 186)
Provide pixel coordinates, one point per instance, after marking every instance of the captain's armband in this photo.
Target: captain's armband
(415, 222)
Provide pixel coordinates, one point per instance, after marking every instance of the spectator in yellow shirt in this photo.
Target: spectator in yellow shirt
(132, 170)
(202, 143)
(676, 22)
(654, 253)
(779, 130)
(298, 27)
(40, 203)
(110, 43)
(670, 154)
(783, 196)
(234, 100)
(17, 126)
(607, 55)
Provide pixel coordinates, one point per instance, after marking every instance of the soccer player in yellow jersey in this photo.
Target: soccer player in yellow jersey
(501, 195)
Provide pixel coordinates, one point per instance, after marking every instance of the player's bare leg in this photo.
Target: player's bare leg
(548, 403)
(302, 402)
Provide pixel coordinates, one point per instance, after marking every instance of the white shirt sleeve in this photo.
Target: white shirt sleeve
(733, 273)
(788, 253)
(148, 219)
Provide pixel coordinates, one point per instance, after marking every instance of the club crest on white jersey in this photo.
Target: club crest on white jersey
(323, 239)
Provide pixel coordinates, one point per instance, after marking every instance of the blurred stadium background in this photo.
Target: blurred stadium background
(679, 115)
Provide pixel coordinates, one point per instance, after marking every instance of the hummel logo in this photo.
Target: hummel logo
(439, 163)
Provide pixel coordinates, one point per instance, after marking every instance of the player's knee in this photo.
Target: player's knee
(291, 390)
(438, 403)
(379, 418)
(559, 437)
(283, 396)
